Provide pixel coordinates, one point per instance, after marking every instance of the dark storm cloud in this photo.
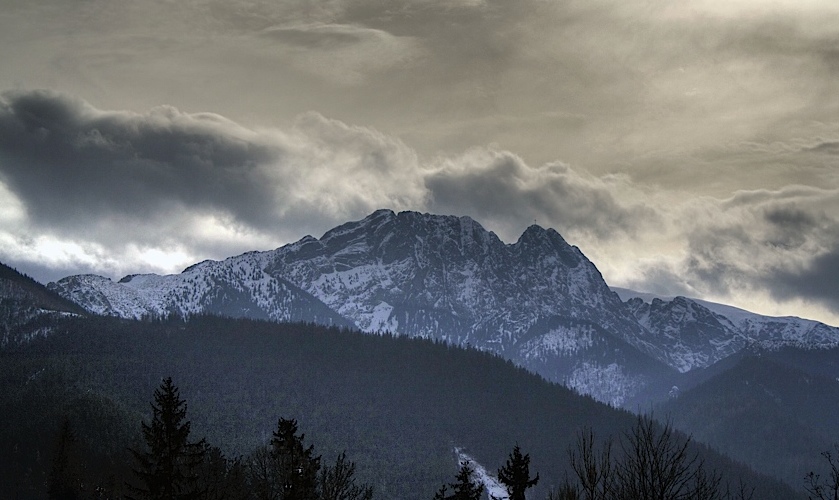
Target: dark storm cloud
(787, 37)
(710, 260)
(71, 164)
(829, 147)
(789, 227)
(815, 276)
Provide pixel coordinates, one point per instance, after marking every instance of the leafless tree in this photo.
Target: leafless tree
(653, 463)
(593, 469)
(658, 465)
(824, 490)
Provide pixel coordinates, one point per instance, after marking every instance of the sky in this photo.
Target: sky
(687, 147)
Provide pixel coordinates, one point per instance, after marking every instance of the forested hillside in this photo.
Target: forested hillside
(766, 412)
(27, 307)
(397, 406)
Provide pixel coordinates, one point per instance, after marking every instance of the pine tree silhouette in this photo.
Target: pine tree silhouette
(168, 468)
(515, 475)
(338, 482)
(65, 475)
(464, 488)
(298, 466)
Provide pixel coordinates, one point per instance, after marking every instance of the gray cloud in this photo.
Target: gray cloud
(163, 188)
(658, 76)
(201, 185)
(613, 122)
(508, 193)
(817, 281)
(321, 36)
(781, 244)
(71, 163)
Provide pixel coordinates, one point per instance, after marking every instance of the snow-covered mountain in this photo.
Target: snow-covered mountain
(538, 302)
(696, 333)
(236, 287)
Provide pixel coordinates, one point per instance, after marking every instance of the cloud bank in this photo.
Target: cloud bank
(108, 191)
(194, 182)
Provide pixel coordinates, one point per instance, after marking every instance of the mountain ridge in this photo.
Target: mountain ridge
(537, 301)
(672, 317)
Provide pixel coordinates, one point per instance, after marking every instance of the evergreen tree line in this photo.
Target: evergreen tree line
(652, 464)
(170, 465)
(398, 406)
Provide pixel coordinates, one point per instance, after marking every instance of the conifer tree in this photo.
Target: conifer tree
(515, 475)
(168, 469)
(297, 466)
(464, 488)
(221, 478)
(65, 475)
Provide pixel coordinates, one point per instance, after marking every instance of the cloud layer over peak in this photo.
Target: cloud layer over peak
(686, 147)
(78, 172)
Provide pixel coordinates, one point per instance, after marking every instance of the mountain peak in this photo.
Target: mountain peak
(536, 233)
(189, 268)
(380, 215)
(540, 240)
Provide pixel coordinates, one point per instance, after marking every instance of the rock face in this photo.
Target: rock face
(447, 277)
(538, 302)
(692, 335)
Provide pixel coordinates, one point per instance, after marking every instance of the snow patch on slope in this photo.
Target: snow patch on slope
(492, 487)
(380, 320)
(560, 341)
(608, 384)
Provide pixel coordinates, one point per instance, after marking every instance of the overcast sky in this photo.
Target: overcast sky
(688, 147)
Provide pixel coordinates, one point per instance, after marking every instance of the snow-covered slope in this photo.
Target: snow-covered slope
(592, 361)
(696, 333)
(538, 302)
(448, 277)
(421, 275)
(236, 287)
(493, 488)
